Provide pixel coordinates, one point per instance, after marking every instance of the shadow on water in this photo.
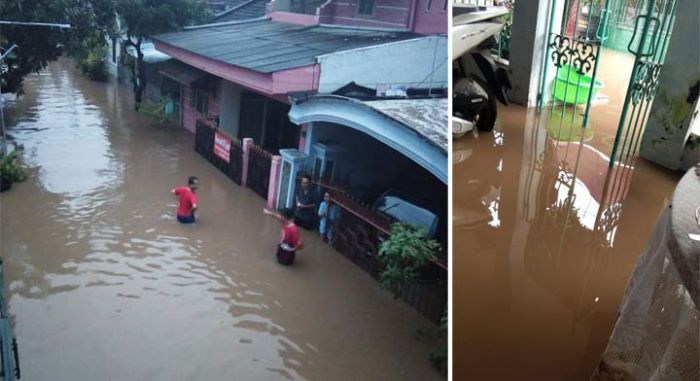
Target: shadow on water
(104, 283)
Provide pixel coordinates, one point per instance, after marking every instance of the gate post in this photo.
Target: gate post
(530, 33)
(247, 144)
(675, 109)
(274, 181)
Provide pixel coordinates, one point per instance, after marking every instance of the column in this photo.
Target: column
(673, 114)
(274, 181)
(247, 144)
(530, 35)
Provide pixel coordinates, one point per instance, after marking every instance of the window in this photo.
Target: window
(200, 101)
(365, 7)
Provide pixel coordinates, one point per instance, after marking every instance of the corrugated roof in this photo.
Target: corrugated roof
(427, 117)
(266, 46)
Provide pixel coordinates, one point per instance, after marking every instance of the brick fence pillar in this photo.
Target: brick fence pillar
(274, 181)
(247, 144)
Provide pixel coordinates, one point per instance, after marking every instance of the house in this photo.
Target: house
(350, 93)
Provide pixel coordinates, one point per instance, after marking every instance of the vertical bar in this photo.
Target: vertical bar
(543, 82)
(581, 74)
(668, 31)
(605, 16)
(635, 71)
(658, 58)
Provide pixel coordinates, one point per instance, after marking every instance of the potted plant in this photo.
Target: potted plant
(10, 171)
(404, 254)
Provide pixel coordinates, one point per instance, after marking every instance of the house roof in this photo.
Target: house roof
(242, 10)
(265, 46)
(427, 117)
(180, 72)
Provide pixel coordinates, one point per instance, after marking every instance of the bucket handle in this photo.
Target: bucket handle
(603, 31)
(648, 21)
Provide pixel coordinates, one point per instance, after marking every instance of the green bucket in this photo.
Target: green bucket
(568, 81)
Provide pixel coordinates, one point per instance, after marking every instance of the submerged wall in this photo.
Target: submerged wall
(675, 107)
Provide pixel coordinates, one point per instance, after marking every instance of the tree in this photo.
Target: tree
(40, 45)
(142, 19)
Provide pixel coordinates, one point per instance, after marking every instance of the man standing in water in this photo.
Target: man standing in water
(290, 241)
(306, 204)
(187, 201)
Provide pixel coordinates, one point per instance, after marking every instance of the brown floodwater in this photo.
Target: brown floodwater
(104, 284)
(545, 239)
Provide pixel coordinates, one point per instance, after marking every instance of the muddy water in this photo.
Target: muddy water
(545, 238)
(105, 284)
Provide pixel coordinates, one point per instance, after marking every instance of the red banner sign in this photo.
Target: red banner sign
(222, 147)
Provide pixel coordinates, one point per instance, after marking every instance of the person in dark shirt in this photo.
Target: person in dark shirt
(305, 205)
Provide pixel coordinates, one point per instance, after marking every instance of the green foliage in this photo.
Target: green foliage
(156, 110)
(142, 19)
(406, 251)
(11, 169)
(439, 357)
(91, 62)
(40, 45)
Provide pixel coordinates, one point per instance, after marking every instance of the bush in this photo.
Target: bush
(407, 250)
(92, 64)
(439, 357)
(156, 110)
(10, 169)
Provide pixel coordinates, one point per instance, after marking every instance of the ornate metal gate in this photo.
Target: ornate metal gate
(649, 44)
(574, 52)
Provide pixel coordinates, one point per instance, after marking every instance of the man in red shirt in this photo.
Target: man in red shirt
(290, 241)
(187, 200)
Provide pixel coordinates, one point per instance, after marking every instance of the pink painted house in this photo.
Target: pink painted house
(419, 16)
(346, 91)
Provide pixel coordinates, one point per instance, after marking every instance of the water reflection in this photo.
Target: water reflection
(545, 237)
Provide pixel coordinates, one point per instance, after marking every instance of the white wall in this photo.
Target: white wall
(230, 107)
(404, 63)
(671, 115)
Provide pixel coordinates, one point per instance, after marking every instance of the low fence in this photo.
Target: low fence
(205, 142)
(259, 165)
(361, 227)
(360, 231)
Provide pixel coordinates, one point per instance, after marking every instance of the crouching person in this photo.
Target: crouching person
(290, 241)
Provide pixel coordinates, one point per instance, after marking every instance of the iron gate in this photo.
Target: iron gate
(574, 52)
(204, 145)
(259, 165)
(649, 44)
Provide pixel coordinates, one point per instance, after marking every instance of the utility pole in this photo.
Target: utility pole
(2, 59)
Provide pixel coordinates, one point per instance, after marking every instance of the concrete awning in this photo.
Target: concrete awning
(180, 72)
(416, 128)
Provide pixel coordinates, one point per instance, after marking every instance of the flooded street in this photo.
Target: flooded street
(545, 239)
(104, 284)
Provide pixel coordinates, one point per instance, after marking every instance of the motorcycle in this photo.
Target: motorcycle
(474, 97)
